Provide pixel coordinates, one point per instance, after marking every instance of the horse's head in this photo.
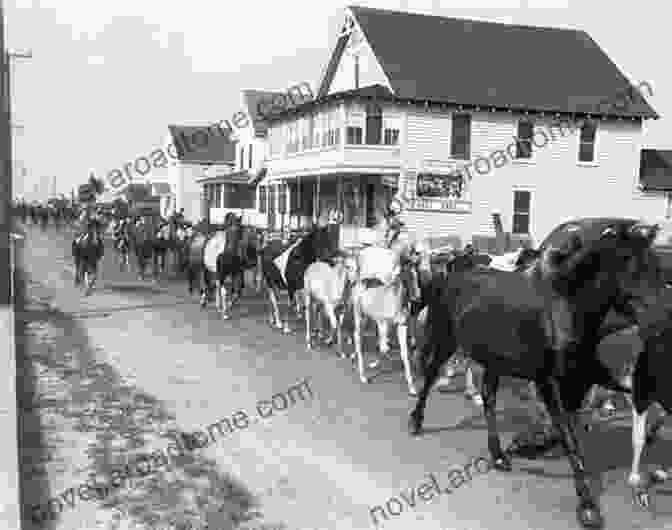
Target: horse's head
(619, 264)
(319, 244)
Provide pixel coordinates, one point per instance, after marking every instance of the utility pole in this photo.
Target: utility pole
(9, 489)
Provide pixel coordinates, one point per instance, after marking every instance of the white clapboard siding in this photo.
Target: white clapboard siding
(561, 187)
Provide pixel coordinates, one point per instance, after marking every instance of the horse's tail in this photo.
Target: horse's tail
(439, 343)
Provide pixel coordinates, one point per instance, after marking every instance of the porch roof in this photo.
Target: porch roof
(334, 171)
(237, 177)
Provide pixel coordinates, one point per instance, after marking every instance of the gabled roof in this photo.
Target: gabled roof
(468, 62)
(219, 149)
(252, 99)
(655, 170)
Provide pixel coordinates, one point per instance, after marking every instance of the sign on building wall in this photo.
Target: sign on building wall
(450, 186)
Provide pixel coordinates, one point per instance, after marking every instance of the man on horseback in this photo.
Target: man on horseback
(87, 247)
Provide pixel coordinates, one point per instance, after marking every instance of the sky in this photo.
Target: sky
(107, 78)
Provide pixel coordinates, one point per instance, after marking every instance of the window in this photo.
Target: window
(587, 142)
(249, 156)
(218, 196)
(292, 137)
(245, 196)
(275, 140)
(521, 212)
(354, 135)
(282, 198)
(242, 157)
(460, 141)
(331, 132)
(391, 136)
(356, 57)
(306, 132)
(374, 124)
(524, 143)
(262, 199)
(317, 130)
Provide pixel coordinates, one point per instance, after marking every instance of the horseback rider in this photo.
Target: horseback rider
(393, 222)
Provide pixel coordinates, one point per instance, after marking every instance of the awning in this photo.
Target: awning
(655, 170)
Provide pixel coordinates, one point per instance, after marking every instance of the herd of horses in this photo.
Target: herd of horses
(542, 321)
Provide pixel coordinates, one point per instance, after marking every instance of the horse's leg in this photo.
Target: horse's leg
(224, 300)
(357, 337)
(588, 511)
(275, 309)
(333, 322)
(490, 385)
(431, 373)
(471, 391)
(205, 285)
(339, 334)
(639, 484)
(308, 306)
(402, 335)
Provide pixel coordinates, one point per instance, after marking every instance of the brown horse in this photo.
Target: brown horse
(544, 326)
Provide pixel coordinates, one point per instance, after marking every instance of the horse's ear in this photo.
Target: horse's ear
(645, 231)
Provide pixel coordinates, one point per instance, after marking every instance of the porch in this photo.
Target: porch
(295, 203)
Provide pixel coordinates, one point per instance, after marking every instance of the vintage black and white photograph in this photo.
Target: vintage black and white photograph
(335, 266)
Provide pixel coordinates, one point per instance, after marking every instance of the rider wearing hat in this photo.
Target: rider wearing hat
(393, 221)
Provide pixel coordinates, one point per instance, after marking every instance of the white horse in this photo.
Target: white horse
(326, 288)
(381, 294)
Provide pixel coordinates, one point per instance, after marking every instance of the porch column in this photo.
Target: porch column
(205, 203)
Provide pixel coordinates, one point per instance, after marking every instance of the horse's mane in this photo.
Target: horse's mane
(579, 262)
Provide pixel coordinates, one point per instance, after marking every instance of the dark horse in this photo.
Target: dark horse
(87, 250)
(283, 266)
(544, 326)
(142, 236)
(239, 253)
(165, 241)
(200, 254)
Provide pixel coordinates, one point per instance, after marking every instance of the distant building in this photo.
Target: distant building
(194, 162)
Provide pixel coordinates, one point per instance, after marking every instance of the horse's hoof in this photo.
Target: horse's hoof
(502, 463)
(476, 397)
(374, 364)
(286, 330)
(413, 392)
(226, 317)
(364, 379)
(641, 497)
(589, 516)
(414, 425)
